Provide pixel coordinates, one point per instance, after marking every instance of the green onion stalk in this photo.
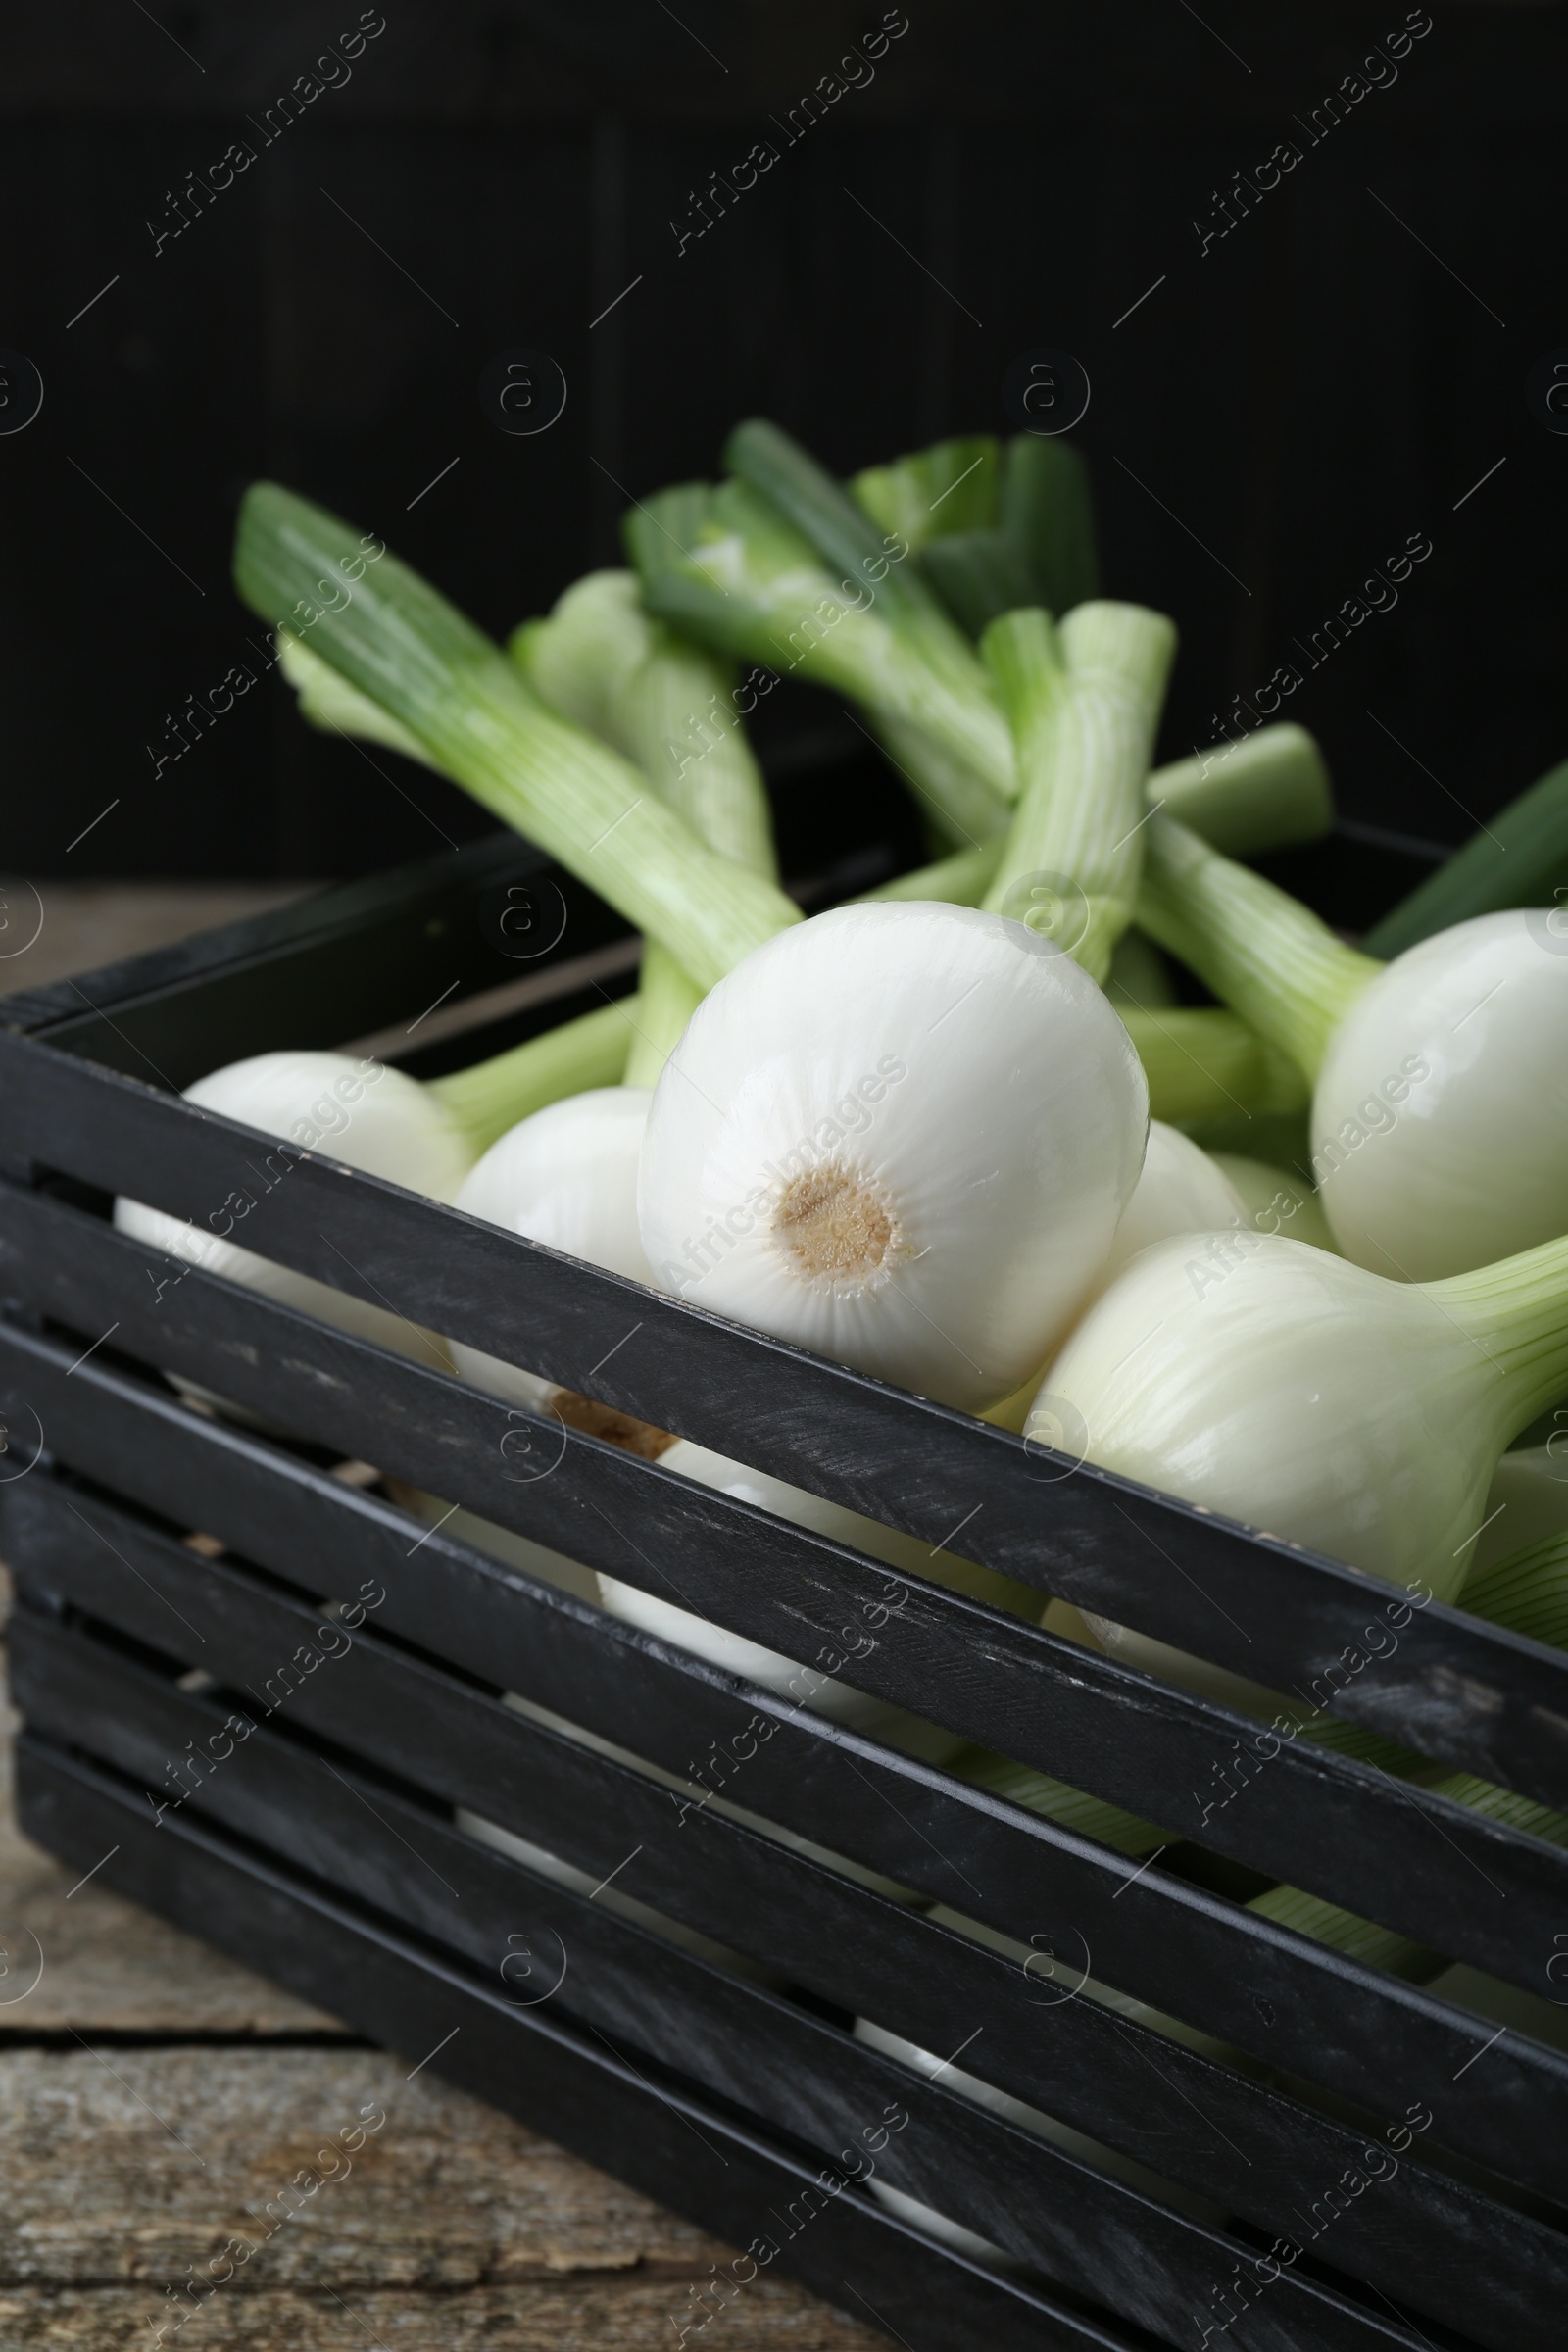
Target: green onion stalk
(1258, 948)
(492, 1096)
(1527, 1594)
(1083, 701)
(404, 646)
(600, 659)
(1199, 1062)
(1528, 1591)
(731, 568)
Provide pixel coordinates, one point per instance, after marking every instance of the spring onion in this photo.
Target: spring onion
(1179, 1190)
(1527, 1589)
(1302, 1394)
(790, 1678)
(1264, 793)
(1440, 1113)
(667, 707)
(954, 487)
(901, 1135)
(992, 531)
(1205, 1064)
(424, 1137)
(566, 1177)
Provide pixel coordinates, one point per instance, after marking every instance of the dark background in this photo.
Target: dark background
(1326, 382)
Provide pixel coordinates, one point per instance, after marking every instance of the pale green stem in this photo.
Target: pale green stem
(1202, 1064)
(328, 701)
(1270, 789)
(495, 1095)
(1517, 1314)
(667, 998)
(407, 649)
(953, 486)
(1260, 950)
(668, 707)
(1380, 1947)
(1083, 701)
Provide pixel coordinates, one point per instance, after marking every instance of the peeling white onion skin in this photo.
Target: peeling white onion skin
(1453, 1067)
(899, 1135)
(565, 1176)
(385, 1124)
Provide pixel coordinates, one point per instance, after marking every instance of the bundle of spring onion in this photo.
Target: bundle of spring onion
(914, 1133)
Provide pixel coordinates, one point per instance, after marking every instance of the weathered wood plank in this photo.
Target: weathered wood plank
(125, 2166)
(562, 2318)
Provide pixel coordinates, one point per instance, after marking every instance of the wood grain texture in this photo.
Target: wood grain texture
(593, 2318)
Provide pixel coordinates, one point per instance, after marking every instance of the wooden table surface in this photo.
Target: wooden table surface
(154, 2093)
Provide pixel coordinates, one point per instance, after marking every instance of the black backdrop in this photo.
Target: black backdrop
(1278, 416)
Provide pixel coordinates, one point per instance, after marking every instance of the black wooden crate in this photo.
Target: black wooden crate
(323, 1846)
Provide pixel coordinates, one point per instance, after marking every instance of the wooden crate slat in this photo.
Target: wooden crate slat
(797, 2075)
(853, 1946)
(988, 1677)
(1454, 1688)
(1306, 2008)
(1206, 2126)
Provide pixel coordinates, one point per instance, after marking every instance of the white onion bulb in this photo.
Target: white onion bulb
(1301, 1395)
(356, 1112)
(1440, 1119)
(568, 1177)
(1275, 1201)
(901, 1135)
